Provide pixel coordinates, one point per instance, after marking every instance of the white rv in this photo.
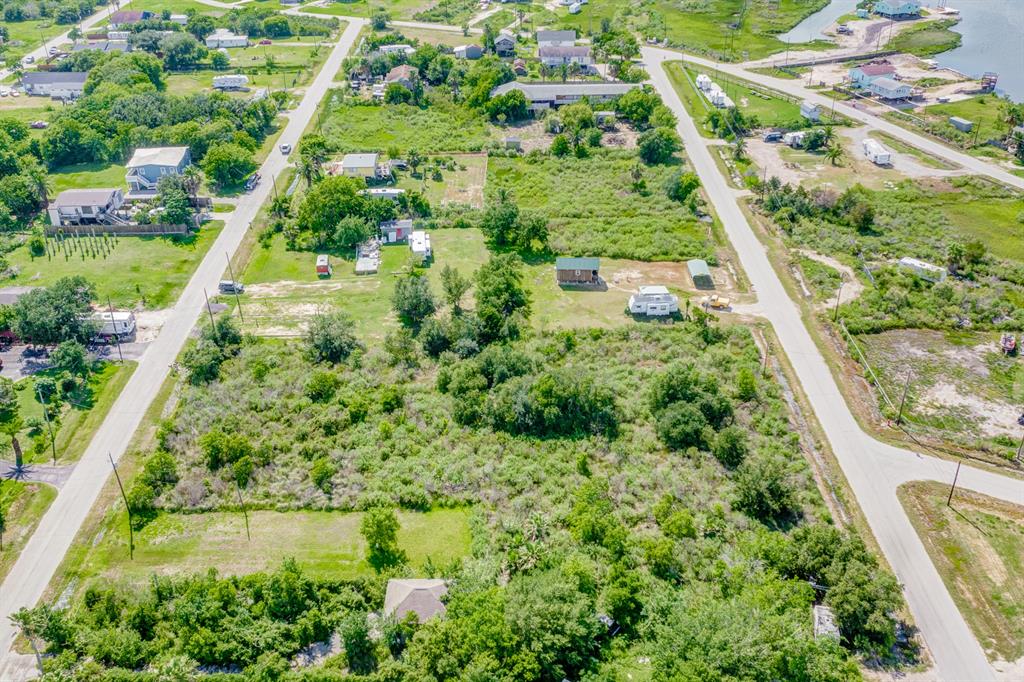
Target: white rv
(703, 81)
(794, 140)
(876, 153)
(419, 244)
(236, 81)
(116, 323)
(653, 300)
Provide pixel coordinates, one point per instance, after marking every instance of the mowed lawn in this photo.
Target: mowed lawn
(326, 544)
(983, 111)
(978, 547)
(150, 271)
(22, 505)
(88, 175)
(464, 185)
(593, 211)
(438, 127)
(396, 9)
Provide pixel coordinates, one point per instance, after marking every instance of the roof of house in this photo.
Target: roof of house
(225, 33)
(698, 267)
(402, 72)
(556, 51)
(505, 34)
(876, 68)
(584, 263)
(888, 84)
(403, 224)
(103, 45)
(157, 156)
(555, 36)
(54, 77)
(537, 91)
(359, 160)
(83, 197)
(129, 16)
(653, 290)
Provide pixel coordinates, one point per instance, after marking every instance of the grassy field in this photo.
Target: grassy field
(80, 416)
(449, 38)
(174, 6)
(88, 175)
(977, 545)
(983, 110)
(926, 39)
(439, 127)
(326, 544)
(23, 505)
(592, 210)
(396, 9)
(146, 270)
(465, 185)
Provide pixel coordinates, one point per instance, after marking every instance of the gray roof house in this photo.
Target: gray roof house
(149, 164)
(415, 595)
(505, 43)
(86, 206)
(556, 38)
(103, 46)
(469, 52)
(556, 55)
(59, 84)
(541, 96)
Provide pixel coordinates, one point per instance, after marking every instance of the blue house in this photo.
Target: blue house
(898, 9)
(149, 164)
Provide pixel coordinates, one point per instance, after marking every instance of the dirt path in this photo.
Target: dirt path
(852, 287)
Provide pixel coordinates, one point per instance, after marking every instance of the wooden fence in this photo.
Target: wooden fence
(70, 231)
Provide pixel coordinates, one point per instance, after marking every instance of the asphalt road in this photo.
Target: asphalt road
(873, 469)
(46, 548)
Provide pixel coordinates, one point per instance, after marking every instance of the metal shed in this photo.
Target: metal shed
(700, 274)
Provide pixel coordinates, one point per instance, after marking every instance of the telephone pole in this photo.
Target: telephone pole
(117, 337)
(949, 500)
(234, 287)
(903, 400)
(49, 428)
(128, 507)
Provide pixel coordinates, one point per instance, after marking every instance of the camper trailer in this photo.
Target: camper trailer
(323, 266)
(794, 140)
(230, 82)
(114, 324)
(653, 300)
(876, 153)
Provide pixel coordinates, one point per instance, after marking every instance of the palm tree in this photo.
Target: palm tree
(42, 182)
(834, 153)
(192, 178)
(574, 70)
(829, 136)
(739, 150)
(544, 72)
(309, 170)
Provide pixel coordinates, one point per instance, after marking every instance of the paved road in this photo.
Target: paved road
(43, 553)
(873, 469)
(36, 473)
(796, 88)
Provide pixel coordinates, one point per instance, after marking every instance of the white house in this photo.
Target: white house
(703, 81)
(575, 8)
(862, 76)
(876, 153)
(541, 96)
(149, 164)
(556, 38)
(810, 111)
(85, 206)
(653, 300)
(181, 19)
(795, 139)
(556, 56)
(57, 84)
(401, 48)
(898, 9)
(222, 37)
(505, 43)
(927, 271)
(887, 88)
(393, 193)
(234, 81)
(396, 230)
(419, 244)
(359, 166)
(469, 51)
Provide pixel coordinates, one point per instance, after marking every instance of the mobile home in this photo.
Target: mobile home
(653, 300)
(926, 271)
(876, 153)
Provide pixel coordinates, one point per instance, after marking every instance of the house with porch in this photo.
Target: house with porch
(86, 207)
(149, 164)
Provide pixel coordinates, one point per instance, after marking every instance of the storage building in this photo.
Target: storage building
(577, 270)
(961, 124)
(700, 274)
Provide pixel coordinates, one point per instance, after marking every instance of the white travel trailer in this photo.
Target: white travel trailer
(653, 300)
(795, 139)
(924, 270)
(876, 153)
(703, 81)
(116, 323)
(230, 82)
(419, 244)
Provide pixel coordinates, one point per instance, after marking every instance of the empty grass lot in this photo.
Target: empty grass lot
(150, 271)
(458, 186)
(593, 212)
(88, 175)
(926, 38)
(396, 9)
(978, 547)
(439, 127)
(326, 544)
(22, 504)
(984, 111)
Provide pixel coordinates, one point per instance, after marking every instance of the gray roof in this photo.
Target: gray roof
(84, 197)
(537, 91)
(552, 36)
(103, 46)
(358, 160)
(698, 267)
(54, 77)
(157, 156)
(419, 596)
(887, 83)
(585, 263)
(555, 51)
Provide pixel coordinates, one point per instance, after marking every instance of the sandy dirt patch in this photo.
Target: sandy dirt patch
(852, 287)
(990, 417)
(765, 155)
(148, 324)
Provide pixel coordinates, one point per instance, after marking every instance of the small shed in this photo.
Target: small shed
(512, 142)
(469, 52)
(810, 111)
(961, 124)
(577, 270)
(323, 265)
(395, 230)
(924, 270)
(365, 265)
(700, 274)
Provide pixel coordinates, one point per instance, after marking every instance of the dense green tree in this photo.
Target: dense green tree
(455, 287)
(71, 357)
(360, 652)
(220, 61)
(57, 313)
(379, 528)
(637, 105)
(763, 489)
(330, 337)
(227, 163)
(412, 300)
(201, 25)
(683, 425)
(181, 50)
(658, 145)
(730, 446)
(502, 302)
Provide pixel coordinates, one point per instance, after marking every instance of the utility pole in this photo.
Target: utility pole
(234, 287)
(949, 500)
(903, 400)
(49, 428)
(238, 489)
(1020, 448)
(210, 310)
(839, 297)
(117, 337)
(131, 532)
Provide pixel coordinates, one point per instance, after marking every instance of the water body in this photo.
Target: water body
(992, 30)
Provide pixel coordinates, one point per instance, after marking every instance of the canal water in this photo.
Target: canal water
(993, 38)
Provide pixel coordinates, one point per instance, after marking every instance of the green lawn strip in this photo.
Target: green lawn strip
(923, 157)
(327, 544)
(396, 9)
(977, 546)
(985, 111)
(23, 505)
(174, 6)
(464, 185)
(97, 174)
(927, 38)
(146, 270)
(821, 279)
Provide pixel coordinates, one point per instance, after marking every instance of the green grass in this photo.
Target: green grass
(326, 544)
(396, 9)
(498, 20)
(821, 279)
(977, 546)
(23, 505)
(455, 186)
(146, 270)
(923, 157)
(88, 175)
(996, 223)
(449, 38)
(927, 38)
(440, 127)
(592, 210)
(983, 110)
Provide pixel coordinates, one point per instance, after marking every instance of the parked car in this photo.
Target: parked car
(228, 286)
(286, 149)
(28, 59)
(772, 136)
(264, 42)
(38, 125)
(251, 183)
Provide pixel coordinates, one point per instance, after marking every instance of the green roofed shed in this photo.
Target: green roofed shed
(577, 270)
(700, 273)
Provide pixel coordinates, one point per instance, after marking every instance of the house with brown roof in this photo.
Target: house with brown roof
(129, 17)
(421, 596)
(403, 74)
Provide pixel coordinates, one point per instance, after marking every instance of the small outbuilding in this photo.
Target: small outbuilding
(887, 88)
(810, 111)
(392, 231)
(825, 623)
(469, 52)
(419, 596)
(700, 274)
(961, 124)
(577, 270)
(924, 270)
(223, 38)
(419, 244)
(505, 43)
(323, 265)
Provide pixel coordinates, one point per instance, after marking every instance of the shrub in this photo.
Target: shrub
(379, 528)
(322, 472)
(763, 489)
(160, 470)
(683, 425)
(242, 470)
(730, 446)
(331, 337)
(220, 448)
(141, 501)
(320, 386)
(658, 145)
(413, 300)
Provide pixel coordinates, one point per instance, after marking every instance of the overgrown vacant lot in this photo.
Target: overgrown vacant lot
(439, 126)
(594, 212)
(978, 547)
(22, 505)
(136, 270)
